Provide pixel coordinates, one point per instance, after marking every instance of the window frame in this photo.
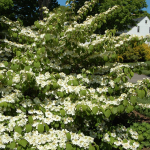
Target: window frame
(138, 29)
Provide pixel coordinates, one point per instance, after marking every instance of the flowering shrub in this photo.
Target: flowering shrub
(57, 93)
(136, 53)
(146, 48)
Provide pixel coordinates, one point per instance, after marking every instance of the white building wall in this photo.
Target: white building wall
(143, 28)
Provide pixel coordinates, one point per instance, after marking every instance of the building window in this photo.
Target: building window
(146, 21)
(149, 29)
(138, 29)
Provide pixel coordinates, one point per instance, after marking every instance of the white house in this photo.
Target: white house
(142, 28)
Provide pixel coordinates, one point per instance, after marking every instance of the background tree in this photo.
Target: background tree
(28, 11)
(4, 6)
(50, 4)
(143, 14)
(123, 17)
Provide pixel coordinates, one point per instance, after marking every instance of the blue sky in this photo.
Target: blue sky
(62, 2)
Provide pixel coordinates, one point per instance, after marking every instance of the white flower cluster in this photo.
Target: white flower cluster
(28, 32)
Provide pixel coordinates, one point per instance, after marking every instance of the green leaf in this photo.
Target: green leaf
(60, 94)
(84, 107)
(132, 74)
(40, 128)
(75, 83)
(129, 75)
(23, 142)
(121, 108)
(47, 37)
(69, 147)
(62, 112)
(107, 113)
(46, 127)
(78, 107)
(114, 110)
(125, 102)
(27, 68)
(133, 99)
(18, 129)
(1, 76)
(83, 92)
(105, 58)
(62, 34)
(37, 64)
(56, 125)
(69, 82)
(43, 49)
(95, 110)
(68, 136)
(117, 80)
(91, 147)
(50, 27)
(110, 90)
(116, 88)
(140, 138)
(129, 109)
(12, 145)
(10, 82)
(126, 70)
(39, 52)
(18, 53)
(20, 40)
(28, 128)
(141, 93)
(97, 147)
(9, 73)
(6, 63)
(111, 98)
(91, 47)
(14, 35)
(55, 85)
(124, 79)
(30, 119)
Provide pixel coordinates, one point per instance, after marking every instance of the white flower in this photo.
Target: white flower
(16, 135)
(79, 76)
(42, 36)
(134, 136)
(36, 100)
(107, 139)
(33, 44)
(48, 114)
(136, 144)
(126, 145)
(113, 134)
(105, 89)
(2, 128)
(118, 143)
(112, 84)
(46, 12)
(16, 78)
(99, 90)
